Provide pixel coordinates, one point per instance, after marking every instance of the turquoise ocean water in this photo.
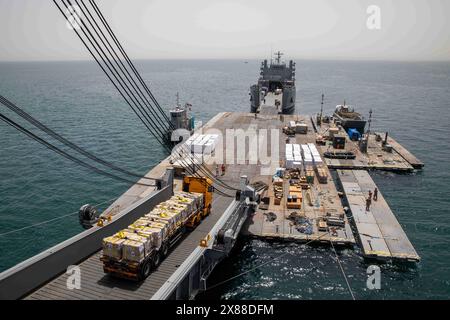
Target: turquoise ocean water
(410, 100)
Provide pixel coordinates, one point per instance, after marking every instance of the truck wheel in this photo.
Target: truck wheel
(156, 260)
(164, 249)
(146, 269)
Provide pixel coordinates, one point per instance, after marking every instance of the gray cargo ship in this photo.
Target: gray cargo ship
(276, 83)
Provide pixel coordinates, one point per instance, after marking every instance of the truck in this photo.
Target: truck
(133, 253)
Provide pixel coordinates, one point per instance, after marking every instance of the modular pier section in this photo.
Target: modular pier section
(379, 232)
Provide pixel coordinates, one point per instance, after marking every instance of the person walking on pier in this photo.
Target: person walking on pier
(368, 202)
(375, 194)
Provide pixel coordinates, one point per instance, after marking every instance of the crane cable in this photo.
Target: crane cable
(65, 154)
(130, 63)
(280, 256)
(118, 62)
(50, 220)
(166, 119)
(260, 265)
(63, 140)
(342, 269)
(203, 169)
(128, 78)
(127, 92)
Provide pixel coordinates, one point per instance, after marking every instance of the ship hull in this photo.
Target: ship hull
(350, 123)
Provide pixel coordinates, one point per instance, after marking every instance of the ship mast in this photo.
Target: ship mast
(278, 55)
(369, 121)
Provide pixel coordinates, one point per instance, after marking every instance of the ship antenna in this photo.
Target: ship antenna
(321, 106)
(271, 53)
(369, 121)
(278, 54)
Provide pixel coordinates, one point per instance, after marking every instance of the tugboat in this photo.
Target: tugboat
(277, 80)
(180, 119)
(349, 118)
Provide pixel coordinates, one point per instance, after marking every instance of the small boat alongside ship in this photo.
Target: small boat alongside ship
(349, 118)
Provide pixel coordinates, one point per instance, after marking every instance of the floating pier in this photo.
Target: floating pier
(393, 158)
(380, 234)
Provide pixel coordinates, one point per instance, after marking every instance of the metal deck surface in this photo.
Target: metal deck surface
(96, 285)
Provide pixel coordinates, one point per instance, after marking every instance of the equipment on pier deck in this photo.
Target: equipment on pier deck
(88, 216)
(339, 141)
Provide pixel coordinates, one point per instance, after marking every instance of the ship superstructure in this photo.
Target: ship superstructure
(276, 82)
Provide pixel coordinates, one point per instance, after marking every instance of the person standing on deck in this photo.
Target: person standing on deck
(368, 203)
(370, 195)
(223, 168)
(217, 170)
(375, 194)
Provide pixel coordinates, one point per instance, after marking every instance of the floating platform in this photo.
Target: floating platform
(380, 234)
(323, 200)
(376, 158)
(405, 154)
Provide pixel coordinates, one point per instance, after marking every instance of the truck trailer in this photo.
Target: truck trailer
(134, 252)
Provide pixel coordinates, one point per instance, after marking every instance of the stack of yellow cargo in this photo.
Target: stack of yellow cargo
(295, 198)
(136, 242)
(127, 245)
(193, 200)
(322, 175)
(112, 247)
(135, 247)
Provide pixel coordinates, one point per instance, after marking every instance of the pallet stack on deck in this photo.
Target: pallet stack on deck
(201, 143)
(293, 156)
(321, 172)
(148, 232)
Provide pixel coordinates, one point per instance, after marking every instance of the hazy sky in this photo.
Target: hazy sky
(321, 29)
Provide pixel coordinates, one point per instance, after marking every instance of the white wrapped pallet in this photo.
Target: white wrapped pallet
(196, 145)
(312, 147)
(296, 147)
(297, 164)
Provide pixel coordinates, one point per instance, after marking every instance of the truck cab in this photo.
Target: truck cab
(200, 185)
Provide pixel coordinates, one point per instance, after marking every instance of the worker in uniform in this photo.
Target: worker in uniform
(368, 203)
(223, 168)
(375, 194)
